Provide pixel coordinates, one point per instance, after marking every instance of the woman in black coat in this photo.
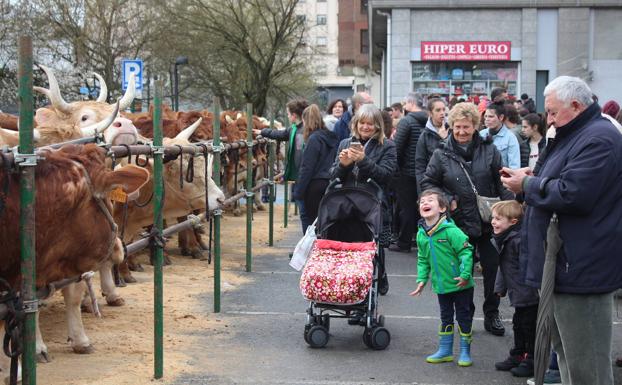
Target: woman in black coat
(313, 175)
(375, 158)
(467, 151)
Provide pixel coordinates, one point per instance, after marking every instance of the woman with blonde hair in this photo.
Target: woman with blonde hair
(368, 155)
(320, 149)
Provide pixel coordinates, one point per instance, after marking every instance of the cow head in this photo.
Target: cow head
(81, 117)
(192, 193)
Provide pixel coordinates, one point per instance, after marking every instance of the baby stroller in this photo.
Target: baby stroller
(340, 278)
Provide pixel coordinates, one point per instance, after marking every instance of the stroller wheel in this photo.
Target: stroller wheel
(380, 338)
(317, 337)
(306, 334)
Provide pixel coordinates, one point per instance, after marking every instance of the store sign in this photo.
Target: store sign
(465, 50)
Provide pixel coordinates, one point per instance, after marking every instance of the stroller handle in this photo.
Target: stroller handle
(379, 193)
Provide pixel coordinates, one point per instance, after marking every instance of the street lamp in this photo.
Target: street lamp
(181, 60)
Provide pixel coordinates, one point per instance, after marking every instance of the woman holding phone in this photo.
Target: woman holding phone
(368, 154)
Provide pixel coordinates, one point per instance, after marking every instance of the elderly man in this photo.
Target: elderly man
(342, 127)
(580, 181)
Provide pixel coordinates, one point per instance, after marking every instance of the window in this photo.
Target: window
(321, 19)
(321, 41)
(301, 18)
(364, 41)
(364, 6)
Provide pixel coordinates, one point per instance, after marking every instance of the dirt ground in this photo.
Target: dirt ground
(123, 337)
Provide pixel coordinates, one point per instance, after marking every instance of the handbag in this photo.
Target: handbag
(484, 204)
(303, 248)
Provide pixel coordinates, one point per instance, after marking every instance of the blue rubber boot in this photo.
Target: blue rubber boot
(445, 346)
(465, 348)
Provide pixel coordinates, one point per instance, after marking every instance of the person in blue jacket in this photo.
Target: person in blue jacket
(502, 137)
(342, 127)
(317, 158)
(579, 180)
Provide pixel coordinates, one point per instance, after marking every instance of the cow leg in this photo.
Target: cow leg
(77, 337)
(109, 289)
(41, 348)
(124, 271)
(133, 265)
(5, 367)
(191, 247)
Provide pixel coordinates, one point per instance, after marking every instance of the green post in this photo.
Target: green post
(217, 212)
(27, 210)
(249, 185)
(271, 161)
(158, 299)
(285, 192)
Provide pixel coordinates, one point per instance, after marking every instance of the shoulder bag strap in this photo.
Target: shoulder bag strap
(468, 177)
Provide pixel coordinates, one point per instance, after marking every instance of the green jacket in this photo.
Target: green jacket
(445, 253)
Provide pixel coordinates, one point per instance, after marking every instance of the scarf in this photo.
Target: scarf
(467, 154)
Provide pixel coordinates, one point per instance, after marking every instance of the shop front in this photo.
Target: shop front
(464, 68)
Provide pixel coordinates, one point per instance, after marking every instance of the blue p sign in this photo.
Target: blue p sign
(132, 67)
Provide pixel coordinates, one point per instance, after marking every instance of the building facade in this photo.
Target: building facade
(468, 47)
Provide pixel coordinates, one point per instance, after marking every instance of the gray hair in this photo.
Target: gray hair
(415, 98)
(569, 88)
(369, 112)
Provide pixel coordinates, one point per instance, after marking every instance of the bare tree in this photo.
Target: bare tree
(240, 50)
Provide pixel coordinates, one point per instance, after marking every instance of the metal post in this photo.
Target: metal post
(27, 211)
(286, 190)
(158, 313)
(249, 184)
(217, 212)
(176, 90)
(271, 161)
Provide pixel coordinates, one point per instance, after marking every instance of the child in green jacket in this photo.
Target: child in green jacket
(446, 257)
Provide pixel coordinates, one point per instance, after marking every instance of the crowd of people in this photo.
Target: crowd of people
(476, 185)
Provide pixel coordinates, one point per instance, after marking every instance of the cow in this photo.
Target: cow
(179, 200)
(9, 121)
(73, 231)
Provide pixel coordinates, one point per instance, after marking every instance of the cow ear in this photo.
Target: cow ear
(44, 116)
(130, 178)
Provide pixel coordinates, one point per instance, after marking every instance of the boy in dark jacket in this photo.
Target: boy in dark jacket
(506, 216)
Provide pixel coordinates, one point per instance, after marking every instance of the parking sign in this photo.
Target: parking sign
(132, 66)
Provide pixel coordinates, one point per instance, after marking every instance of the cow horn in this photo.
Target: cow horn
(187, 132)
(130, 92)
(53, 93)
(103, 89)
(239, 115)
(228, 119)
(100, 126)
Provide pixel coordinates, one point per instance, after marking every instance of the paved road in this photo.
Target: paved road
(262, 342)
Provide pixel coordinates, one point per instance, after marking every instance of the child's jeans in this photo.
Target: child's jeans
(461, 302)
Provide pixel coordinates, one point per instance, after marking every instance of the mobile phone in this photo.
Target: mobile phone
(356, 145)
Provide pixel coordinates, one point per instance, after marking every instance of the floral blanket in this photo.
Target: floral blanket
(338, 272)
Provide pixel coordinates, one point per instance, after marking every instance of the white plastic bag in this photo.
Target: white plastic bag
(303, 248)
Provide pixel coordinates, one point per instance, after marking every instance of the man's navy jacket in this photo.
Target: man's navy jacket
(580, 180)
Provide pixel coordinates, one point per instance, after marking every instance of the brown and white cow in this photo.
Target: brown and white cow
(73, 234)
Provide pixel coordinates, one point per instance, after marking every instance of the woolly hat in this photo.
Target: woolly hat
(524, 97)
(611, 108)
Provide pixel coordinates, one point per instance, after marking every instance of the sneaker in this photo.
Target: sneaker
(524, 369)
(494, 325)
(509, 363)
(551, 377)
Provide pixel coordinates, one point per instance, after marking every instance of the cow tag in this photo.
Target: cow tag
(118, 195)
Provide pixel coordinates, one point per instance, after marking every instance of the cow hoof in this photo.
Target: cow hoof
(83, 349)
(203, 245)
(185, 252)
(237, 212)
(136, 267)
(43, 358)
(86, 308)
(167, 261)
(115, 302)
(197, 254)
(129, 279)
(260, 207)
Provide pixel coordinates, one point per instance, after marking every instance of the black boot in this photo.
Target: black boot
(513, 360)
(525, 369)
(494, 325)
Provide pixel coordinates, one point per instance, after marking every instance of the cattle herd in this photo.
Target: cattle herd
(88, 206)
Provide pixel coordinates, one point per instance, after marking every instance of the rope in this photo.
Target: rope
(12, 344)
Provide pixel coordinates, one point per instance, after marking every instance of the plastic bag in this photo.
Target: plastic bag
(303, 248)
